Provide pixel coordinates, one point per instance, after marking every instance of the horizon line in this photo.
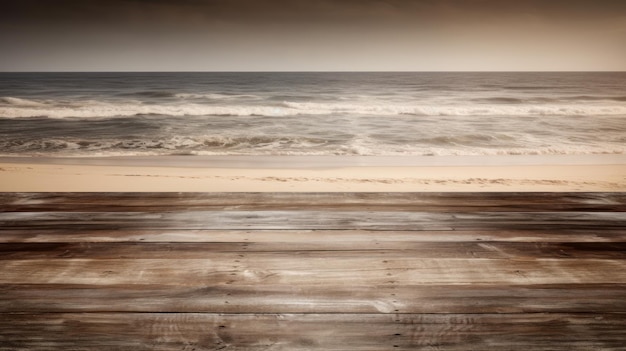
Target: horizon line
(324, 71)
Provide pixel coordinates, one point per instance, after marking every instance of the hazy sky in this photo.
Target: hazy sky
(312, 35)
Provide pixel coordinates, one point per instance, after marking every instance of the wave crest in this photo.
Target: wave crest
(259, 144)
(212, 143)
(390, 109)
(11, 107)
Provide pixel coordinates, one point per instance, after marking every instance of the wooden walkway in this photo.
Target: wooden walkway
(293, 271)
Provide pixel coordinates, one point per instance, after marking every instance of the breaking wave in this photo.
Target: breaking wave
(461, 145)
(12, 107)
(215, 144)
(389, 109)
(20, 108)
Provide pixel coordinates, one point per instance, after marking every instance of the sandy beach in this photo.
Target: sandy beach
(313, 174)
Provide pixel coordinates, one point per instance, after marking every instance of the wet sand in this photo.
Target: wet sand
(314, 174)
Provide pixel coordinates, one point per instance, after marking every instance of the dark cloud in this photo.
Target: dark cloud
(305, 9)
(408, 34)
(184, 16)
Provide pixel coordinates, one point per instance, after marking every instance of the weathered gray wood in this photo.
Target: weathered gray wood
(313, 298)
(186, 331)
(71, 234)
(432, 201)
(384, 249)
(329, 269)
(289, 220)
(244, 271)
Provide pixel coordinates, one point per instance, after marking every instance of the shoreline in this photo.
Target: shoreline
(326, 161)
(588, 173)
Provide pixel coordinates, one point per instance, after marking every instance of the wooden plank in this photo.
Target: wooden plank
(303, 236)
(186, 331)
(386, 250)
(289, 220)
(440, 271)
(432, 201)
(333, 268)
(314, 298)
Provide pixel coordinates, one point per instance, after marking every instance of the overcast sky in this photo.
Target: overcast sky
(312, 35)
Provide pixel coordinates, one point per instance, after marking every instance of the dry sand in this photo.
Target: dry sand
(302, 174)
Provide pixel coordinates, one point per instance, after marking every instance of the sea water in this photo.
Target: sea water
(321, 113)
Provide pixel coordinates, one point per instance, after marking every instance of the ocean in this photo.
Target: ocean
(369, 114)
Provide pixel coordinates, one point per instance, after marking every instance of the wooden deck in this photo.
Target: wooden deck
(292, 271)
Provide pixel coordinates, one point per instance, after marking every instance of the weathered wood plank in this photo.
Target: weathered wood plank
(150, 331)
(434, 202)
(289, 220)
(331, 269)
(444, 271)
(385, 249)
(314, 298)
(305, 237)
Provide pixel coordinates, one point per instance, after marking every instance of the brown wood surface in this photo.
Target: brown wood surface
(314, 220)
(314, 298)
(312, 271)
(432, 202)
(198, 331)
(70, 234)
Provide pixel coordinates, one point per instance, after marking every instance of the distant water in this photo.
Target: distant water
(114, 114)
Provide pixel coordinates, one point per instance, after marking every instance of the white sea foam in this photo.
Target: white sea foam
(313, 114)
(11, 107)
(290, 145)
(387, 109)
(92, 109)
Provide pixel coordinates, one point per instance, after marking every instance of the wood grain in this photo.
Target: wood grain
(432, 202)
(314, 220)
(271, 269)
(312, 271)
(314, 298)
(314, 249)
(189, 331)
(72, 234)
